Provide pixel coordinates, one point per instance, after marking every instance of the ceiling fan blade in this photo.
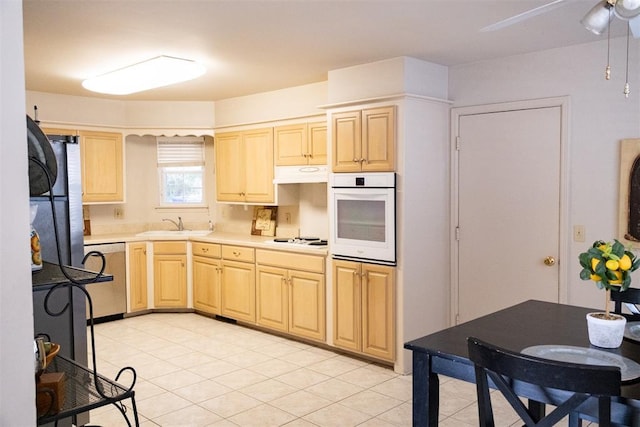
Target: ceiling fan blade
(524, 16)
(634, 26)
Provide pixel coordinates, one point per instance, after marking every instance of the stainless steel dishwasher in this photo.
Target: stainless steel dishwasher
(109, 298)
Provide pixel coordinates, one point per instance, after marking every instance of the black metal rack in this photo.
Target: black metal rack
(84, 388)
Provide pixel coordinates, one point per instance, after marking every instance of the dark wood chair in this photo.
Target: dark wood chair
(579, 381)
(630, 295)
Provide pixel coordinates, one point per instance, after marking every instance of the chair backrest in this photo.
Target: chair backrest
(630, 295)
(581, 381)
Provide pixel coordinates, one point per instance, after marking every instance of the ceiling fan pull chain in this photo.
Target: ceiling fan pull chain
(626, 85)
(607, 71)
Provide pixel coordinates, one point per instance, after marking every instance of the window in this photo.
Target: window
(181, 171)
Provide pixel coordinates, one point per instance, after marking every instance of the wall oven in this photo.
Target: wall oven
(362, 217)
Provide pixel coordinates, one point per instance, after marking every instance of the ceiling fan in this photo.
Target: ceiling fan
(596, 20)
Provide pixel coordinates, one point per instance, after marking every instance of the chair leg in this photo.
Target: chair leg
(485, 411)
(575, 420)
(536, 409)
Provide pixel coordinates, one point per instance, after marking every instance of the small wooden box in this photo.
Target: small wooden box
(50, 385)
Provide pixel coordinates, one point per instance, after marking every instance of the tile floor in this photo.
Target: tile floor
(197, 371)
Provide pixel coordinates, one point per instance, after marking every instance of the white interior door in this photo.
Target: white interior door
(509, 190)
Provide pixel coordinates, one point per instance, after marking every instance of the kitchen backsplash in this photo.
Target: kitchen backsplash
(308, 218)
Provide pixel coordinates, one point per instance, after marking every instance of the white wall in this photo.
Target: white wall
(599, 116)
(298, 101)
(17, 387)
(386, 78)
(131, 117)
(422, 223)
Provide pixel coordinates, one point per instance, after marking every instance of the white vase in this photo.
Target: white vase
(605, 333)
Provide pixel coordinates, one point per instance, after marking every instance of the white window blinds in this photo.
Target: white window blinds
(181, 166)
(180, 151)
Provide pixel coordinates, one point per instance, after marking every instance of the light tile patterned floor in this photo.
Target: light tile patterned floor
(196, 371)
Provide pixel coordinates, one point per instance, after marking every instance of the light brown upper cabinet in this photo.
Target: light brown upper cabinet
(244, 166)
(102, 167)
(58, 131)
(301, 144)
(364, 140)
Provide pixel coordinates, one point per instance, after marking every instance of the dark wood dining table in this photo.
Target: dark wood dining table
(515, 328)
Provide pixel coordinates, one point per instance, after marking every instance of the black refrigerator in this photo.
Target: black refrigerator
(62, 241)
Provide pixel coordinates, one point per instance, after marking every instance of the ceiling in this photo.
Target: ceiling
(251, 46)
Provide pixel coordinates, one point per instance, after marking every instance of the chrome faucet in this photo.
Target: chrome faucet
(178, 224)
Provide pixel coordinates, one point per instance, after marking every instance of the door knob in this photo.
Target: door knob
(549, 261)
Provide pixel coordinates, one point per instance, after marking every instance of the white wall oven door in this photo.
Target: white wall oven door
(363, 217)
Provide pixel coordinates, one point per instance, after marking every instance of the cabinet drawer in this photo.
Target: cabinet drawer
(238, 253)
(290, 260)
(169, 247)
(209, 250)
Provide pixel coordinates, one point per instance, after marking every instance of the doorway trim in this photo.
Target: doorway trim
(564, 235)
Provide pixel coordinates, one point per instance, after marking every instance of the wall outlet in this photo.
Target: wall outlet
(578, 233)
(118, 212)
(287, 217)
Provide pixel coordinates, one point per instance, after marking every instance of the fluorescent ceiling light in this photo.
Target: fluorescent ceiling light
(156, 72)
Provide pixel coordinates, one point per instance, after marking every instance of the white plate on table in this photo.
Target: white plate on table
(632, 331)
(629, 369)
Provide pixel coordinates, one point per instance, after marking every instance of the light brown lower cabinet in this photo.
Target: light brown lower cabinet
(364, 308)
(137, 276)
(238, 284)
(207, 272)
(291, 300)
(170, 274)
(283, 291)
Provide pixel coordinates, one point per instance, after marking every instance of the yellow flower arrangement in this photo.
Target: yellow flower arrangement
(608, 264)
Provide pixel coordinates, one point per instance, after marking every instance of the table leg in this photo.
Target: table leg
(426, 392)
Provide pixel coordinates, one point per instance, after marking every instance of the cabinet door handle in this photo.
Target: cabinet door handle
(356, 161)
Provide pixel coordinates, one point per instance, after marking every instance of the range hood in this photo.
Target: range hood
(300, 174)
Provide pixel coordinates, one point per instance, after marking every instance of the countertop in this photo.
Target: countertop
(221, 237)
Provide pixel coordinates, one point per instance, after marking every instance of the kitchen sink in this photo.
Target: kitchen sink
(157, 233)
